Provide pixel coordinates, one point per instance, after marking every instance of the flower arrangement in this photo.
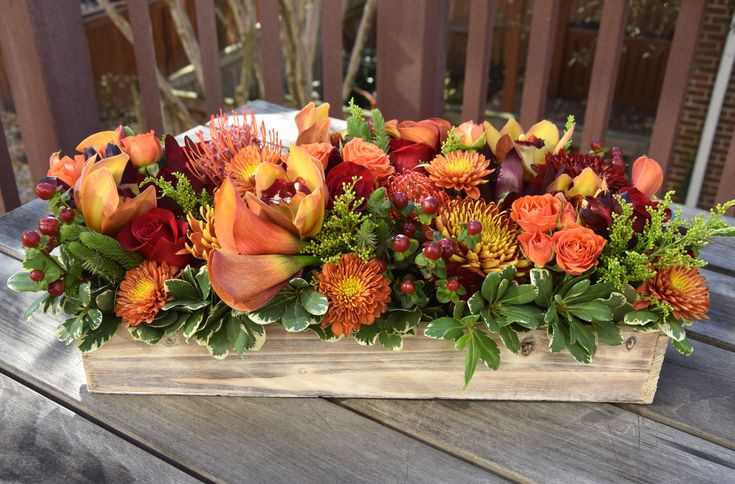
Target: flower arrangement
(464, 233)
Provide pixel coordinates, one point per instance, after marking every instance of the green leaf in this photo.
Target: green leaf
(95, 339)
(607, 332)
(577, 289)
(673, 329)
(165, 319)
(202, 278)
(146, 334)
(391, 341)
(299, 283)
(367, 335)
(273, 311)
(314, 302)
(490, 318)
(541, 278)
(378, 203)
(476, 303)
(684, 347)
(400, 320)
(95, 318)
(487, 350)
(182, 290)
(527, 316)
(192, 325)
(444, 328)
(596, 310)
(579, 353)
(22, 282)
(519, 294)
(105, 301)
(640, 318)
(600, 290)
(556, 330)
(70, 330)
(187, 304)
(471, 358)
(381, 137)
(489, 287)
(582, 335)
(85, 294)
(72, 305)
(35, 305)
(502, 287)
(459, 309)
(295, 318)
(510, 339)
(218, 343)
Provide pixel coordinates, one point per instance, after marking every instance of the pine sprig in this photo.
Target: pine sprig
(357, 127)
(96, 263)
(182, 193)
(111, 248)
(380, 136)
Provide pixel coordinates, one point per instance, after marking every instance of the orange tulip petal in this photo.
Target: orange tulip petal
(647, 175)
(128, 210)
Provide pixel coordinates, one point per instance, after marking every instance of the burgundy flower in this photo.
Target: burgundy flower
(596, 213)
(177, 161)
(405, 154)
(640, 203)
(572, 163)
(158, 235)
(344, 173)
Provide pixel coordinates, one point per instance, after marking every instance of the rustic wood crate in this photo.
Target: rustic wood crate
(300, 365)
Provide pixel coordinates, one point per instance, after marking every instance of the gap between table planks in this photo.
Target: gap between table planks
(715, 426)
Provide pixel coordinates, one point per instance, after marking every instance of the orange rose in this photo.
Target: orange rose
(320, 151)
(577, 249)
(65, 169)
(537, 246)
(143, 149)
(537, 213)
(370, 156)
(568, 213)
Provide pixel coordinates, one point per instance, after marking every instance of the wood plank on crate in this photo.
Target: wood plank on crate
(225, 439)
(45, 442)
(301, 365)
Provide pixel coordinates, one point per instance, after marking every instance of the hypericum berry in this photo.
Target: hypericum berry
(429, 205)
(474, 227)
(48, 225)
(67, 215)
(596, 146)
(30, 238)
(407, 287)
(409, 228)
(453, 285)
(56, 288)
(400, 200)
(45, 190)
(433, 251)
(52, 243)
(401, 243)
(447, 248)
(37, 275)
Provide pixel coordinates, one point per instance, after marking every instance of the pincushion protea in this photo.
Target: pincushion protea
(415, 185)
(201, 236)
(460, 170)
(683, 288)
(498, 246)
(357, 292)
(142, 292)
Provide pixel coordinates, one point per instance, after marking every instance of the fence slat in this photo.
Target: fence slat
(676, 79)
(332, 17)
(207, 37)
(269, 45)
(608, 52)
(511, 53)
(477, 63)
(412, 55)
(539, 60)
(50, 75)
(726, 189)
(145, 63)
(8, 189)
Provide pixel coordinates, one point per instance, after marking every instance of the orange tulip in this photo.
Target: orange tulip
(65, 168)
(313, 124)
(647, 175)
(143, 149)
(96, 195)
(257, 255)
(430, 132)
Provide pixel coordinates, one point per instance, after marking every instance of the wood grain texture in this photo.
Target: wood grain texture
(477, 63)
(300, 364)
(145, 63)
(225, 439)
(45, 442)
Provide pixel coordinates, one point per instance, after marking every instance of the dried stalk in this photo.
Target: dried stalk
(292, 52)
(363, 30)
(189, 42)
(243, 12)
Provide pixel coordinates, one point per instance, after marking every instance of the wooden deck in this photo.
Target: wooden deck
(52, 429)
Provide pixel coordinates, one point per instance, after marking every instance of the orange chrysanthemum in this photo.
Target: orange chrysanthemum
(201, 236)
(415, 185)
(142, 292)
(357, 292)
(460, 170)
(683, 288)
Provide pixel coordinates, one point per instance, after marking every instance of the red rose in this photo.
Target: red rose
(158, 236)
(405, 155)
(344, 173)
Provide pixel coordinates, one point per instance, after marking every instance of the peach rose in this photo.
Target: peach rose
(537, 213)
(370, 156)
(320, 151)
(537, 246)
(143, 149)
(577, 249)
(65, 168)
(568, 213)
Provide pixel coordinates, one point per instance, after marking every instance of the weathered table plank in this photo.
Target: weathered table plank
(45, 442)
(230, 439)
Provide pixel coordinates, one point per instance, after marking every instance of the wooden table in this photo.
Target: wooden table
(52, 429)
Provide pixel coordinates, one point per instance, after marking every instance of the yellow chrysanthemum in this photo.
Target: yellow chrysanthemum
(201, 236)
(460, 170)
(357, 292)
(142, 292)
(498, 246)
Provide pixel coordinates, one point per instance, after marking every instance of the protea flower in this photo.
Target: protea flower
(460, 170)
(683, 288)
(241, 168)
(142, 292)
(498, 246)
(201, 235)
(415, 185)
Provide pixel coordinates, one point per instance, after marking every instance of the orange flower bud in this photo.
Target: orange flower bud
(143, 149)
(537, 246)
(65, 168)
(471, 136)
(647, 175)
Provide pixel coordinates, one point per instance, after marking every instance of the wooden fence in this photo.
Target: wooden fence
(50, 74)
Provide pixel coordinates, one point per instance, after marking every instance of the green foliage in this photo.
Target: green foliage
(297, 306)
(452, 143)
(568, 125)
(92, 322)
(110, 248)
(380, 136)
(94, 262)
(182, 193)
(346, 229)
(357, 127)
(390, 329)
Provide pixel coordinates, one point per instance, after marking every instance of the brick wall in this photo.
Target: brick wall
(710, 45)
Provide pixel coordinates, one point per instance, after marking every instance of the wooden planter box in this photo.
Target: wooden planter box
(300, 365)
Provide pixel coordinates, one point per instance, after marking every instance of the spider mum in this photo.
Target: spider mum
(460, 170)
(142, 292)
(357, 292)
(498, 246)
(201, 237)
(682, 288)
